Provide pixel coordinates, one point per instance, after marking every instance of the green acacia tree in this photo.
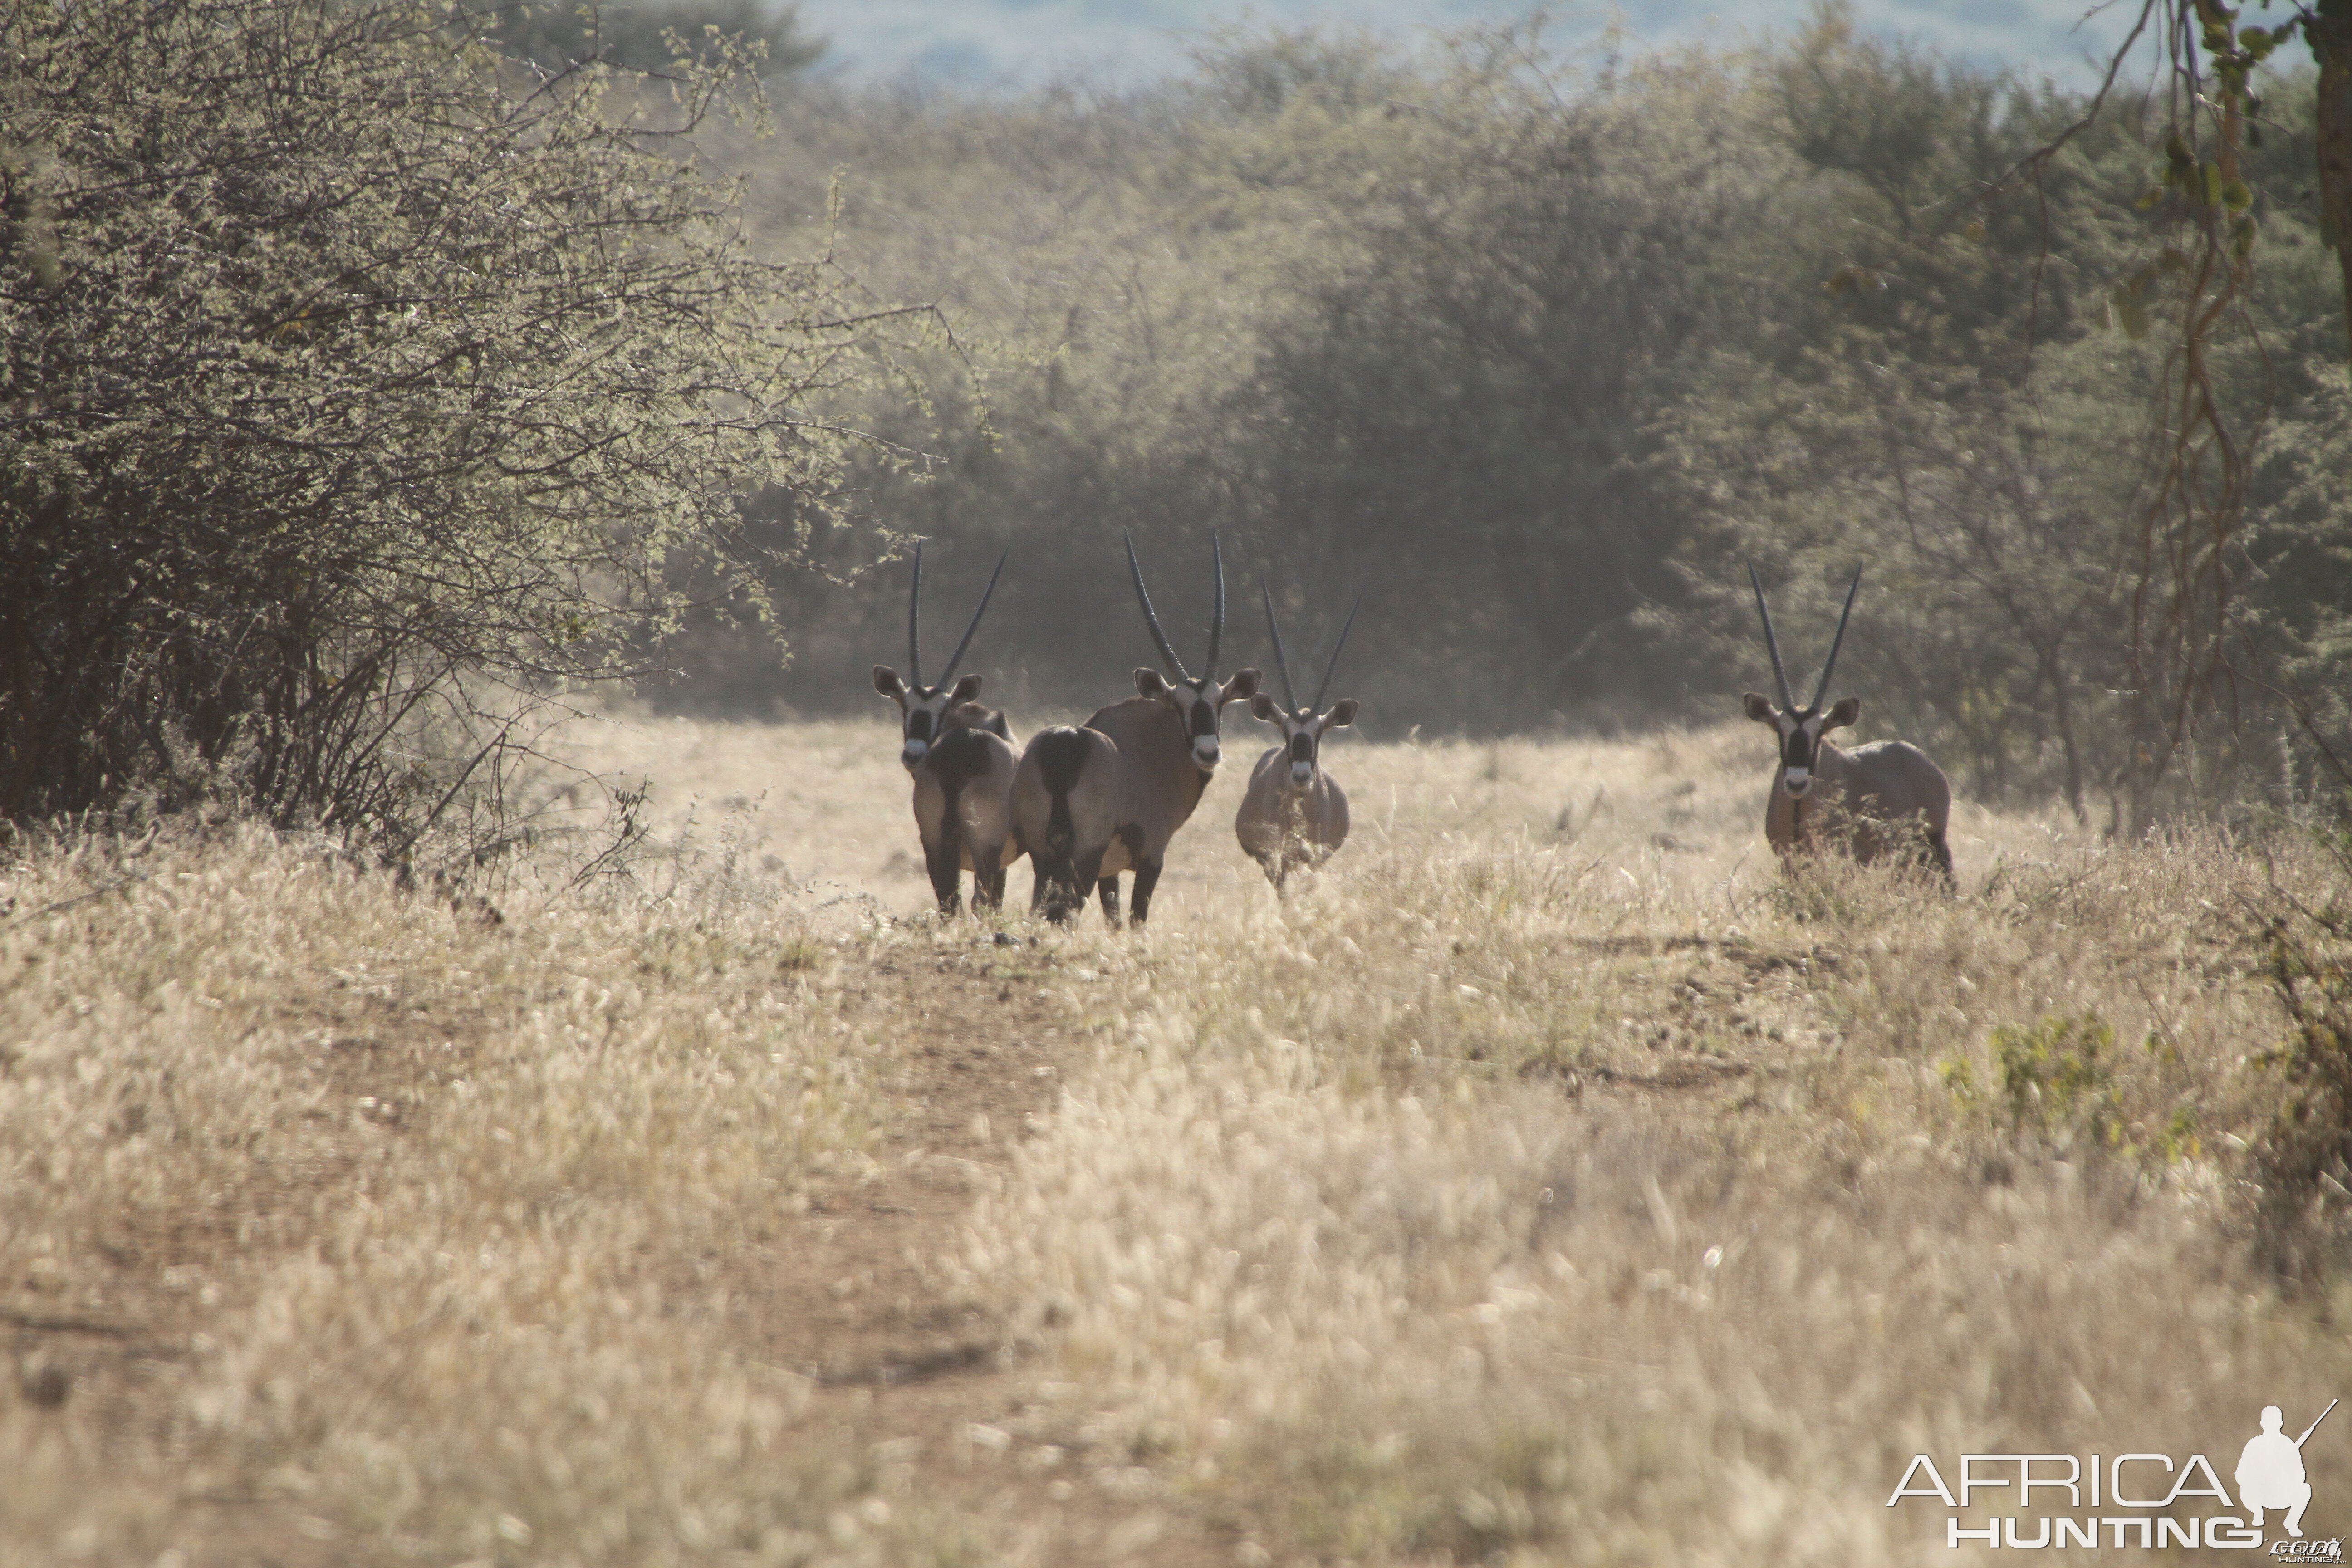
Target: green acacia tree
(349, 369)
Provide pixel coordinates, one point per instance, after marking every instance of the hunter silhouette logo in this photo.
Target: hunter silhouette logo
(2270, 1472)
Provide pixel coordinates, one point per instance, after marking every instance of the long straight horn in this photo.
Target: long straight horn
(1770, 641)
(956, 657)
(915, 623)
(1167, 654)
(1281, 659)
(1822, 690)
(1336, 646)
(1217, 624)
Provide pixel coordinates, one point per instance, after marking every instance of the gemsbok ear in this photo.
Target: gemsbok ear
(1241, 687)
(1343, 713)
(1148, 682)
(1262, 707)
(1847, 711)
(887, 682)
(967, 689)
(1759, 708)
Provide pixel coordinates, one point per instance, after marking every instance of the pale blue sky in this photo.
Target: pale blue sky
(1012, 43)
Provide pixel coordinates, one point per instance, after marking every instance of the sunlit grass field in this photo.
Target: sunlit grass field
(1548, 1180)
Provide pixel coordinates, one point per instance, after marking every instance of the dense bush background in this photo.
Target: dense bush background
(363, 363)
(1535, 349)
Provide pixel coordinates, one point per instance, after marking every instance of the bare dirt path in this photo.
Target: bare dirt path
(913, 1385)
(932, 1389)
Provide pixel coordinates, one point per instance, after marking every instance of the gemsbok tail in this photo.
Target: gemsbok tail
(1061, 757)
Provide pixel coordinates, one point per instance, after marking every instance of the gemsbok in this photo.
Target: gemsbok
(1093, 802)
(1296, 813)
(960, 757)
(1879, 799)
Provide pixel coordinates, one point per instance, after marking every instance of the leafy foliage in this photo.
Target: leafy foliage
(1531, 348)
(1533, 351)
(350, 378)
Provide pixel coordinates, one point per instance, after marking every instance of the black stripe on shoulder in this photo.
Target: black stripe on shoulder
(960, 756)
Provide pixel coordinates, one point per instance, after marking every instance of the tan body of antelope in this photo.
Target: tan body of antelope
(1883, 799)
(960, 757)
(1093, 802)
(1295, 813)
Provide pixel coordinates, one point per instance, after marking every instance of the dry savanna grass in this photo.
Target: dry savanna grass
(1547, 1180)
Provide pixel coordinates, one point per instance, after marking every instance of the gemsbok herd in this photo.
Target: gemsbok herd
(1085, 804)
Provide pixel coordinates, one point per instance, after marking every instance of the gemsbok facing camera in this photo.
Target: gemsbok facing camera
(1884, 798)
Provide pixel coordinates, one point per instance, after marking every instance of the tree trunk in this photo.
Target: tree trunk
(2055, 674)
(2329, 29)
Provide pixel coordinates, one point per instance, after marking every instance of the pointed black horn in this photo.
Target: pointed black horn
(1281, 659)
(1770, 641)
(1217, 621)
(1822, 690)
(1336, 646)
(956, 657)
(1150, 618)
(915, 623)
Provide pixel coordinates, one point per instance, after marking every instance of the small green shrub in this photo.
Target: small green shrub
(2058, 1073)
(2054, 1079)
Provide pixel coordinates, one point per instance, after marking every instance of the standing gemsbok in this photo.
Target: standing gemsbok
(1296, 813)
(1094, 802)
(961, 760)
(1883, 798)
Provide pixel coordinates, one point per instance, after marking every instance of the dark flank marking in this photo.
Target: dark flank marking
(1061, 757)
(959, 757)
